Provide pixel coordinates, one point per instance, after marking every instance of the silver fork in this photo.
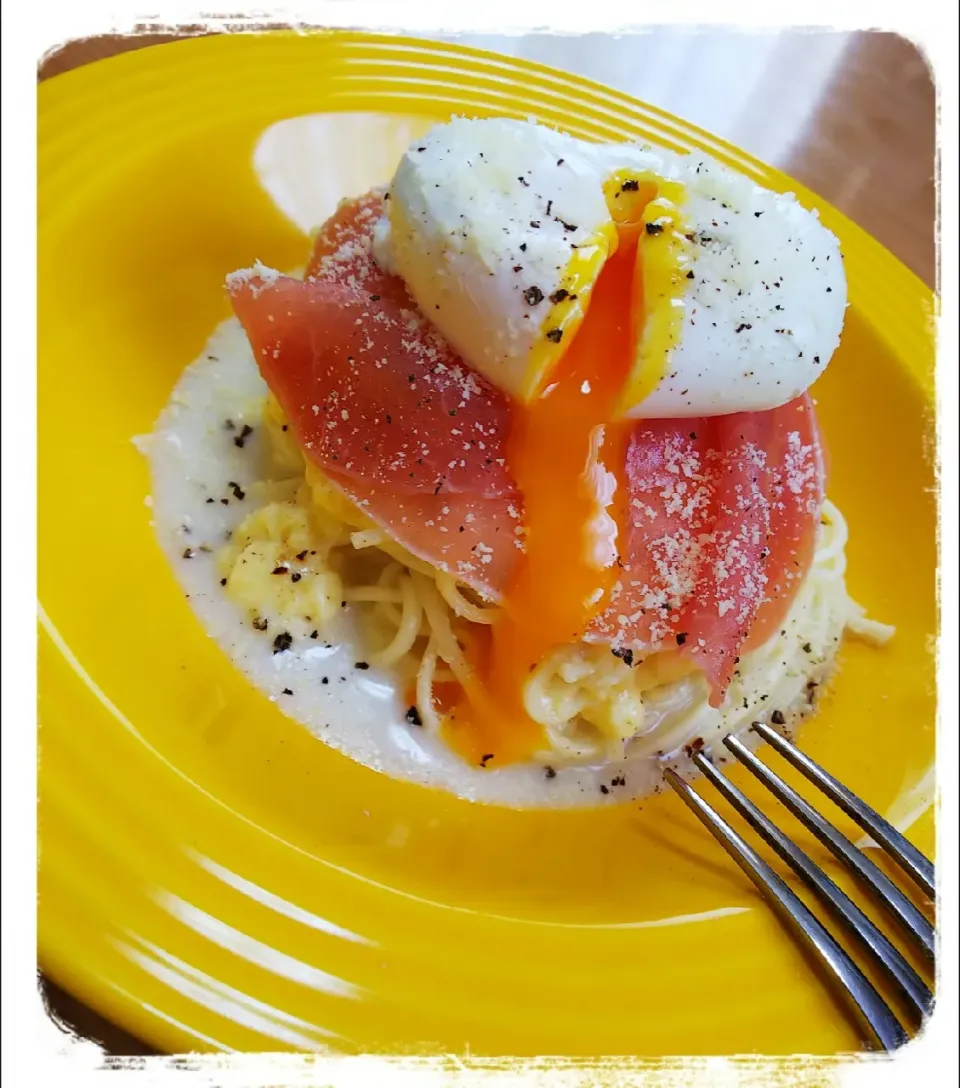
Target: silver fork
(885, 1029)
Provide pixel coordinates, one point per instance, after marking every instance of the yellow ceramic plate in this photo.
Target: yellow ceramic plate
(212, 876)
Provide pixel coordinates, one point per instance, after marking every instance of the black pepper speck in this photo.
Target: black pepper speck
(244, 434)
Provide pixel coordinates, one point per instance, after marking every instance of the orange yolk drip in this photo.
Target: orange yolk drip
(568, 460)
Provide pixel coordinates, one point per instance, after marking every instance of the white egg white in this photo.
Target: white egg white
(765, 307)
(481, 224)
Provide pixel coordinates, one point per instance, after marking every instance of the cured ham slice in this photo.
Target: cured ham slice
(721, 527)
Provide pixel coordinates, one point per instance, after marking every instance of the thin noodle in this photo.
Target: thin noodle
(407, 631)
(446, 642)
(425, 677)
(367, 538)
(450, 592)
(373, 594)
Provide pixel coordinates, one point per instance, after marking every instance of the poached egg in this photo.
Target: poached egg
(500, 229)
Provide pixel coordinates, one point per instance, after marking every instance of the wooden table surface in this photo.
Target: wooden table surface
(867, 145)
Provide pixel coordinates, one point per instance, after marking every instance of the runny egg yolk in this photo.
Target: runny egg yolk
(567, 453)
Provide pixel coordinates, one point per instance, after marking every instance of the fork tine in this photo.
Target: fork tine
(909, 982)
(885, 890)
(919, 868)
(876, 1015)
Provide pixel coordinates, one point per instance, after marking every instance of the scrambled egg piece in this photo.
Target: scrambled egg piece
(277, 565)
(603, 688)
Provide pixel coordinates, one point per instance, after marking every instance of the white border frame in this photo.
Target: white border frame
(34, 1049)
